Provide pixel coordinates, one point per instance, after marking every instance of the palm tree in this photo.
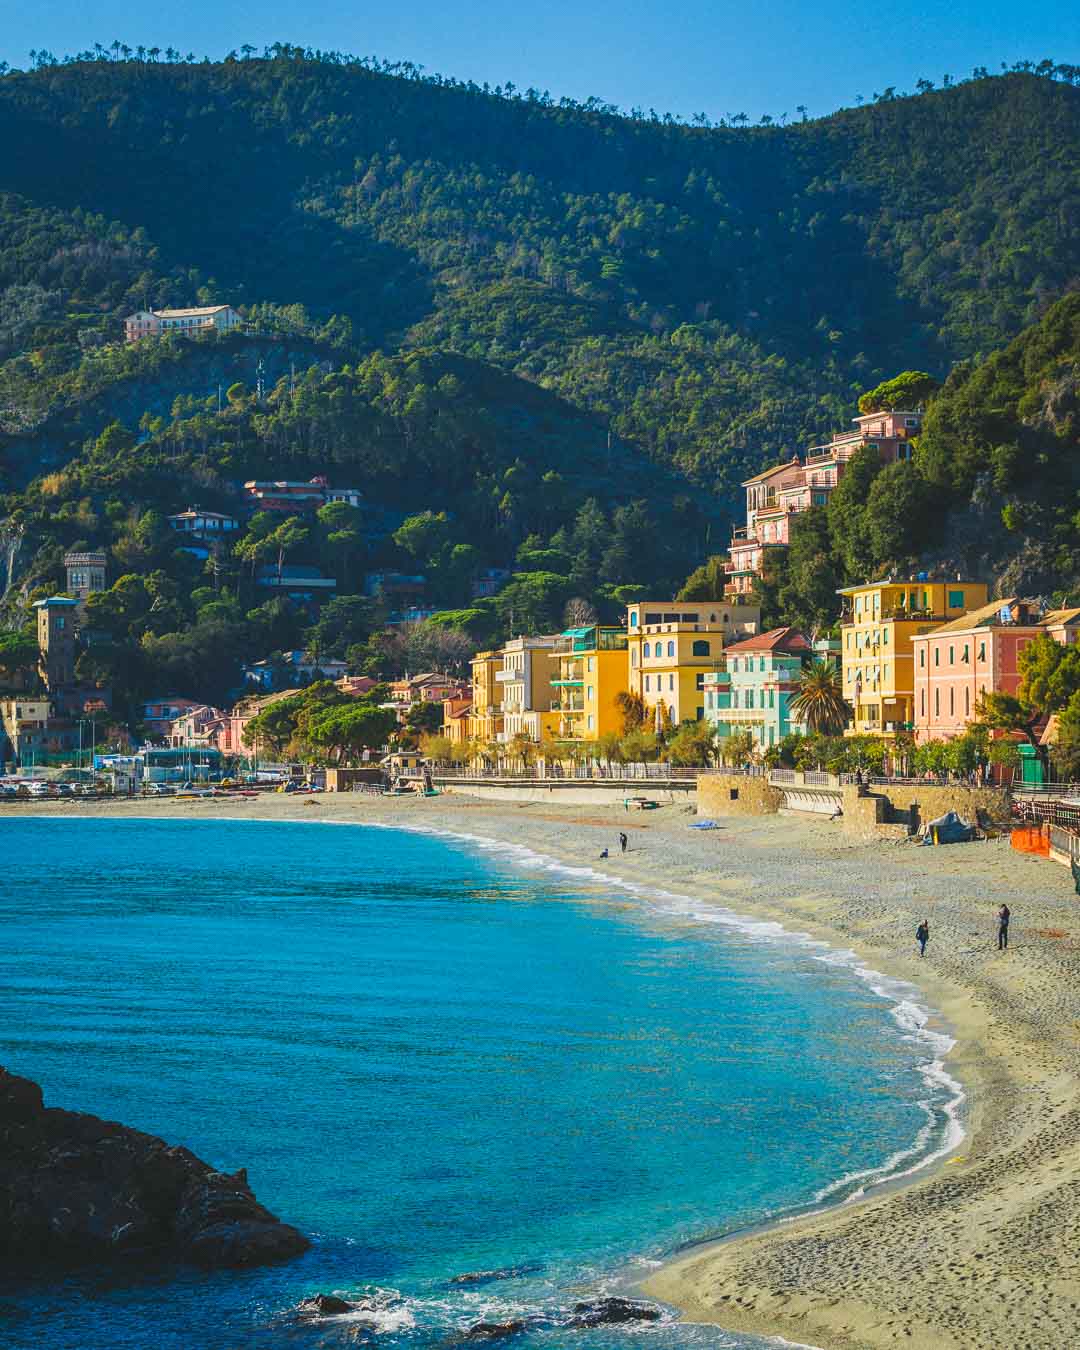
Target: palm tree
(820, 702)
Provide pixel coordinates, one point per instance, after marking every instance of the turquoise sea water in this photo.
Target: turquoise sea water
(435, 1057)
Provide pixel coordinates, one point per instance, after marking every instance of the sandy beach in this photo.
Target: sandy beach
(980, 1250)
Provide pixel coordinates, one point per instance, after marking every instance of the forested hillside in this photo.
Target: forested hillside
(568, 332)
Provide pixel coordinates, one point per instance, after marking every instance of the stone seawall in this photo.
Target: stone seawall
(880, 810)
(568, 792)
(733, 794)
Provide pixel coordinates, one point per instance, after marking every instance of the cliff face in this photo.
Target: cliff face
(76, 1190)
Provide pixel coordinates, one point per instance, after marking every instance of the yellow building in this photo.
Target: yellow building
(527, 696)
(486, 718)
(672, 647)
(878, 623)
(591, 674)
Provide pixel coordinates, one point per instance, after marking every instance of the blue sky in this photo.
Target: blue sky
(714, 56)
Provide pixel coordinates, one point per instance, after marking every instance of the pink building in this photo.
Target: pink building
(773, 497)
(974, 655)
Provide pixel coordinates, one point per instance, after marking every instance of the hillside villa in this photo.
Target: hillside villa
(778, 494)
(187, 322)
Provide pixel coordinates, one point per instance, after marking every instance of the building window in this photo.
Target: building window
(967, 701)
(982, 651)
(922, 655)
(700, 713)
(885, 637)
(771, 698)
(749, 698)
(646, 684)
(671, 649)
(701, 649)
(952, 702)
(646, 649)
(633, 657)
(937, 656)
(922, 702)
(937, 702)
(633, 619)
(591, 693)
(592, 722)
(966, 655)
(700, 681)
(670, 682)
(956, 599)
(952, 656)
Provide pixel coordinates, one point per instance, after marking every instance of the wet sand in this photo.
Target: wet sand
(982, 1250)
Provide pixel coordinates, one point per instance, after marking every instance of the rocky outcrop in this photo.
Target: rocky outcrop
(490, 1276)
(606, 1311)
(76, 1190)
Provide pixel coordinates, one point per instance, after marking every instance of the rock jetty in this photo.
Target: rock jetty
(75, 1190)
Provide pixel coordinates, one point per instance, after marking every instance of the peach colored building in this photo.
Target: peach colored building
(776, 495)
(974, 655)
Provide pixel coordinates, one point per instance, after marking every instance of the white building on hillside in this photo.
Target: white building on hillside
(187, 322)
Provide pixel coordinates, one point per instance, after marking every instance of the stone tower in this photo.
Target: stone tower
(56, 641)
(85, 574)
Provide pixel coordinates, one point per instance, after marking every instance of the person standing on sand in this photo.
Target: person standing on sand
(1003, 928)
(922, 936)
(623, 841)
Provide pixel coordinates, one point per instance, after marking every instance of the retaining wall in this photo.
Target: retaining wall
(732, 794)
(569, 792)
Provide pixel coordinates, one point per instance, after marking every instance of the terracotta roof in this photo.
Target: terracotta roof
(786, 640)
(768, 473)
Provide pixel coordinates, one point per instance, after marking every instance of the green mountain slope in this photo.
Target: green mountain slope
(716, 292)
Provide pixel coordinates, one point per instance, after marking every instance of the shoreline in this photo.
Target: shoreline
(972, 1248)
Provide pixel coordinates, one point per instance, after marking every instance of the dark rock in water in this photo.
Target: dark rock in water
(492, 1331)
(324, 1305)
(610, 1310)
(488, 1276)
(75, 1190)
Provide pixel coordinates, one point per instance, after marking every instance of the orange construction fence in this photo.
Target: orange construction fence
(1032, 839)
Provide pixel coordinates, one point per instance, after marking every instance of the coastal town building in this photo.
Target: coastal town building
(673, 645)
(592, 673)
(430, 686)
(292, 670)
(85, 573)
(159, 714)
(56, 621)
(527, 692)
(754, 690)
(25, 722)
(203, 524)
(456, 712)
(146, 323)
(486, 717)
(302, 584)
(777, 495)
(878, 623)
(977, 654)
(294, 497)
(394, 586)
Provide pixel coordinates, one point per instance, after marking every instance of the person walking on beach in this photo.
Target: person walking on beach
(1003, 928)
(623, 841)
(922, 936)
